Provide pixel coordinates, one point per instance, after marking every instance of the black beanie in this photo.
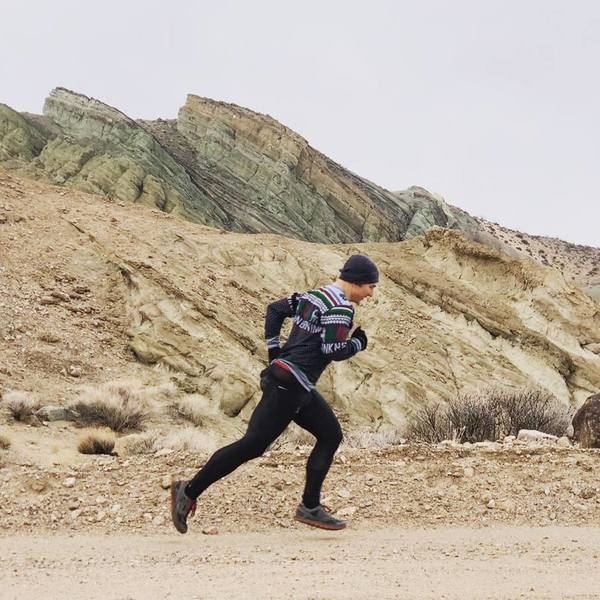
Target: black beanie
(359, 269)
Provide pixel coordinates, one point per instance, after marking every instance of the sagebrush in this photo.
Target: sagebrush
(490, 414)
(118, 406)
(97, 442)
(19, 405)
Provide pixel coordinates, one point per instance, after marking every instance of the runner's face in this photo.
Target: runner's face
(360, 292)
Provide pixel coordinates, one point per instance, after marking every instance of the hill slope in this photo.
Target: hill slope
(93, 290)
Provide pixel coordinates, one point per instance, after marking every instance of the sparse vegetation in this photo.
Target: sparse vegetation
(97, 442)
(20, 405)
(489, 415)
(373, 439)
(120, 407)
(193, 408)
(188, 439)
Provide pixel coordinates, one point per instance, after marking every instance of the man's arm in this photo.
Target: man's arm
(277, 313)
(337, 323)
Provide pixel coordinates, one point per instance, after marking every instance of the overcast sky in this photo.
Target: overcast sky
(493, 104)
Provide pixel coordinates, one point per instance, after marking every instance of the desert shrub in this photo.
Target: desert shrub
(193, 408)
(373, 439)
(19, 404)
(529, 408)
(188, 439)
(4, 442)
(471, 418)
(429, 423)
(118, 406)
(139, 443)
(489, 414)
(97, 442)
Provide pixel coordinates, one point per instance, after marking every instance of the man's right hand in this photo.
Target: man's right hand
(361, 336)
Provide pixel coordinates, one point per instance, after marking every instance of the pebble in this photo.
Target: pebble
(69, 482)
(210, 531)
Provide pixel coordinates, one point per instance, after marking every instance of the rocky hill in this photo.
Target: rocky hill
(217, 164)
(94, 290)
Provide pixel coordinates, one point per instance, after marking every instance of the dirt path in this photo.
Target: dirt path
(448, 563)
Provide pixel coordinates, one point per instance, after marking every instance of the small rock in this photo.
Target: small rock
(100, 516)
(165, 482)
(158, 521)
(343, 493)
(468, 471)
(164, 452)
(210, 531)
(73, 504)
(61, 296)
(563, 442)
(491, 503)
(69, 482)
(347, 512)
(56, 413)
(587, 493)
(75, 371)
(38, 485)
(507, 506)
(48, 300)
(531, 435)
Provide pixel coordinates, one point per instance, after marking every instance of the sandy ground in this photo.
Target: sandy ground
(449, 563)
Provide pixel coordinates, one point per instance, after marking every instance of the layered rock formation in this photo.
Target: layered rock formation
(218, 164)
(111, 290)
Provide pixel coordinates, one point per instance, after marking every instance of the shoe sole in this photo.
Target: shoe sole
(173, 514)
(319, 524)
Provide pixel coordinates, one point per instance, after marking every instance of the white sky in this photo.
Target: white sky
(495, 104)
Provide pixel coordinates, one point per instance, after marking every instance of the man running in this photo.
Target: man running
(322, 320)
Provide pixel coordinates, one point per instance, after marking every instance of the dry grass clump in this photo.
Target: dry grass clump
(489, 415)
(140, 443)
(119, 406)
(97, 442)
(193, 408)
(373, 439)
(189, 439)
(4, 442)
(19, 404)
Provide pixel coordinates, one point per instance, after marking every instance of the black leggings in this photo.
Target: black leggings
(283, 401)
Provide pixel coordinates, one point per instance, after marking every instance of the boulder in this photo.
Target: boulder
(531, 435)
(56, 413)
(586, 423)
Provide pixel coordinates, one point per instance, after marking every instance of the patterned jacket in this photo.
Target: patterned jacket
(322, 320)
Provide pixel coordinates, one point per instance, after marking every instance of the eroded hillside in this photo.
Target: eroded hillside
(94, 290)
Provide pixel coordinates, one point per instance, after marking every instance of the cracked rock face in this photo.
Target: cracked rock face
(219, 165)
(138, 290)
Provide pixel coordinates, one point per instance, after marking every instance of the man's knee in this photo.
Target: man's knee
(337, 436)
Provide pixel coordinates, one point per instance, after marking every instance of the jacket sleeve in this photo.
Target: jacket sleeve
(277, 313)
(337, 323)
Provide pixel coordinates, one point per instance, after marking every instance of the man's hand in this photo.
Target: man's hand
(361, 336)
